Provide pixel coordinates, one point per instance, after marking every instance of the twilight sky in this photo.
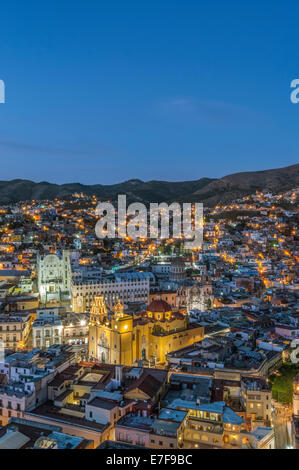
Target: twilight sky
(105, 91)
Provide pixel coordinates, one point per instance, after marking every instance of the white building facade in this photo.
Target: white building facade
(54, 277)
(126, 289)
(47, 329)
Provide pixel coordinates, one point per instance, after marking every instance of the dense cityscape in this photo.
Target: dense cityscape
(127, 344)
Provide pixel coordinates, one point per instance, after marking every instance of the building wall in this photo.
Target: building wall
(14, 334)
(161, 345)
(194, 439)
(54, 277)
(132, 436)
(120, 346)
(163, 442)
(45, 336)
(83, 293)
(99, 415)
(76, 430)
(13, 406)
(112, 345)
(169, 297)
(257, 403)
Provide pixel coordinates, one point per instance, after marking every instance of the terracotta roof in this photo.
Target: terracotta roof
(147, 384)
(159, 306)
(150, 386)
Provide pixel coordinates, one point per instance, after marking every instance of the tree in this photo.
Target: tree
(282, 385)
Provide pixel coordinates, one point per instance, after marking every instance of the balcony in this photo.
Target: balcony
(127, 441)
(204, 428)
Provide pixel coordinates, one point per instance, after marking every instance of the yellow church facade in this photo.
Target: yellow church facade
(149, 336)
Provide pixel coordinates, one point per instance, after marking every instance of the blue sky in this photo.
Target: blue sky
(102, 92)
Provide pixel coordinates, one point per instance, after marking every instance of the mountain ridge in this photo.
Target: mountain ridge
(208, 190)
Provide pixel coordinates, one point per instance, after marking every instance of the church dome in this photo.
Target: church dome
(159, 306)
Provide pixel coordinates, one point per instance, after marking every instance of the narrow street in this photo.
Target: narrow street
(280, 430)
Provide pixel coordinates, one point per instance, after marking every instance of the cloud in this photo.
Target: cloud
(99, 151)
(31, 147)
(208, 112)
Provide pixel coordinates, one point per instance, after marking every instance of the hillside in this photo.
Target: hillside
(208, 190)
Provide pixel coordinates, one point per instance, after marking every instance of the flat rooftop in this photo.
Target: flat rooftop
(91, 377)
(53, 413)
(143, 423)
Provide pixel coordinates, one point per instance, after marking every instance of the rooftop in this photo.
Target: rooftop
(103, 404)
(260, 432)
(139, 422)
(159, 306)
(58, 440)
(118, 445)
(53, 413)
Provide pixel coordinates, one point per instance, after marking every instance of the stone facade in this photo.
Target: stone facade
(54, 277)
(127, 339)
